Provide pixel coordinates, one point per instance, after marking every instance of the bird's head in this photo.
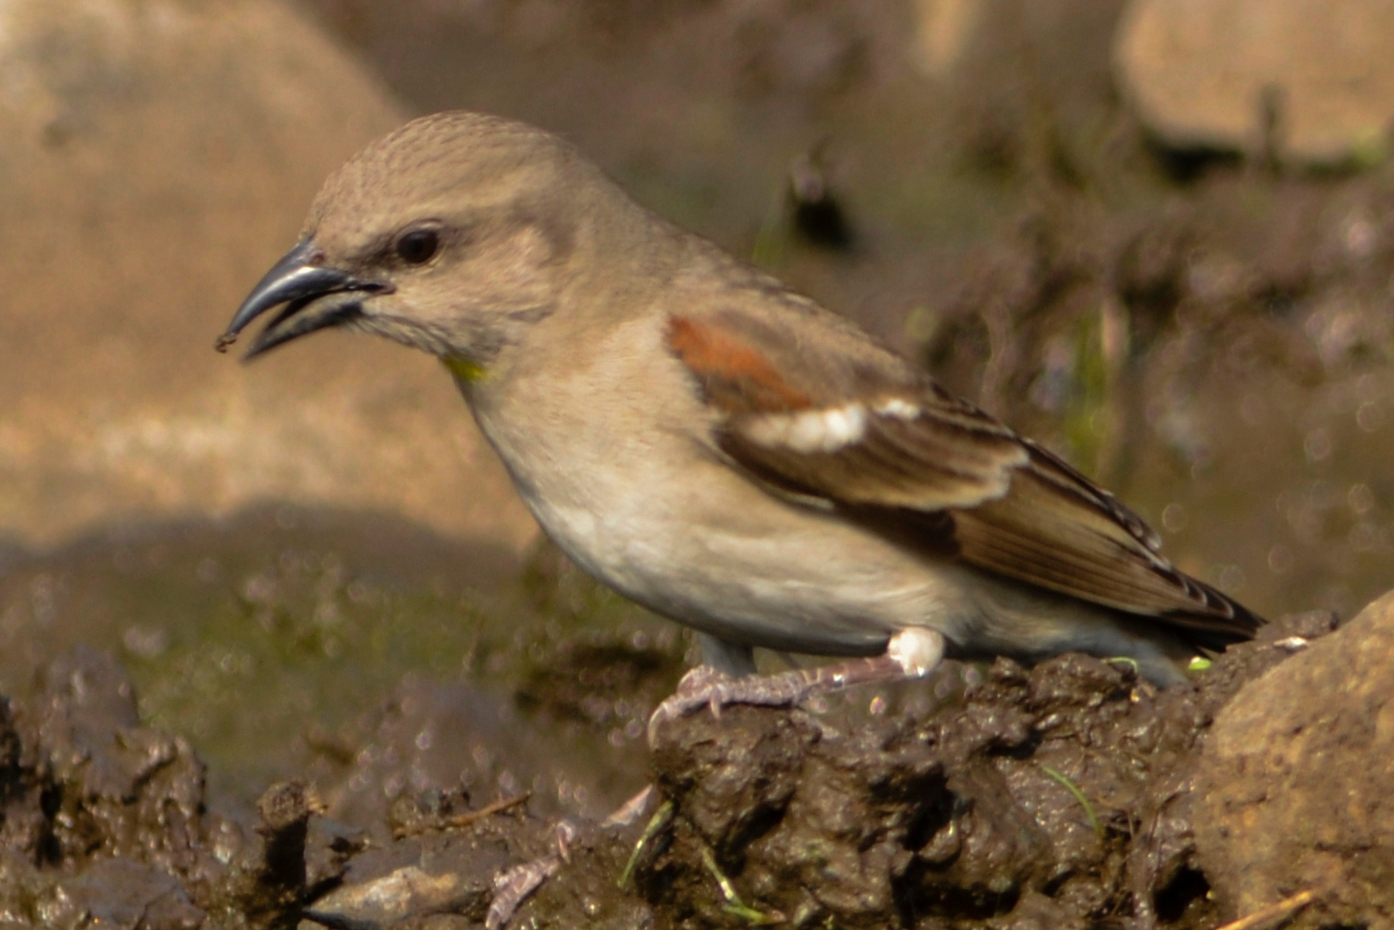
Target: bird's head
(453, 235)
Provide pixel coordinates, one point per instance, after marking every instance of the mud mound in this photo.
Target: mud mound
(1060, 796)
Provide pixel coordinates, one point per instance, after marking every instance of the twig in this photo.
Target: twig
(1281, 909)
(488, 810)
(465, 819)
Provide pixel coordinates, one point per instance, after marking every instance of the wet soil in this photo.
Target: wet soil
(284, 641)
(1059, 796)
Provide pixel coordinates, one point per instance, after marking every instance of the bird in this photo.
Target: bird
(716, 446)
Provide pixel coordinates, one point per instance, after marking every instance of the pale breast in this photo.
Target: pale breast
(634, 495)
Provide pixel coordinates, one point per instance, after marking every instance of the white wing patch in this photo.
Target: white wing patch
(809, 431)
(898, 409)
(828, 430)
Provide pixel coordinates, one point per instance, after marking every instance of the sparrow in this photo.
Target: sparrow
(714, 445)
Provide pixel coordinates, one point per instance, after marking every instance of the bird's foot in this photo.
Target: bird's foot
(912, 653)
(705, 686)
(512, 886)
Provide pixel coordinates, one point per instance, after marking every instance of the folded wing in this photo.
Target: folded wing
(843, 423)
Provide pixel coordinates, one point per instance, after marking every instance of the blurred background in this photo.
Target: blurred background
(1157, 235)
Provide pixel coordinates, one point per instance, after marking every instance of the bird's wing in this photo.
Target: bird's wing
(836, 418)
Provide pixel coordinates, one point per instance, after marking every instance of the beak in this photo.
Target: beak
(315, 297)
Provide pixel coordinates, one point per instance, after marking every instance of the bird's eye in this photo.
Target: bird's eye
(418, 246)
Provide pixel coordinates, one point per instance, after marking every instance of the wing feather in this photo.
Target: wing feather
(849, 423)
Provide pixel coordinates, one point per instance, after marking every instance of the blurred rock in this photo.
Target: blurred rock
(1293, 788)
(155, 158)
(943, 31)
(438, 875)
(1299, 80)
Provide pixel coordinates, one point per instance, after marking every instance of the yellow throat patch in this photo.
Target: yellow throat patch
(464, 369)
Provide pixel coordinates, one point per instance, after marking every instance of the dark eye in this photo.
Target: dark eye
(418, 246)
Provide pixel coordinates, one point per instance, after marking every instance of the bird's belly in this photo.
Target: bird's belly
(795, 581)
(711, 550)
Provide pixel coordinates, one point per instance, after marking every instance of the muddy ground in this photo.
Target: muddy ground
(1059, 796)
(236, 721)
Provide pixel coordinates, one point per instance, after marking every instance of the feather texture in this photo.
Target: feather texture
(861, 431)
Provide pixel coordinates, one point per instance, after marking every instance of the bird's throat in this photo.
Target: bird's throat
(464, 369)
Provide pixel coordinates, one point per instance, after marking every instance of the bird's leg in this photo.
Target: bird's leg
(912, 653)
(732, 659)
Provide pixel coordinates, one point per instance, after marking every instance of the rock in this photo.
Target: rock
(1293, 788)
(1296, 79)
(455, 876)
(409, 891)
(162, 155)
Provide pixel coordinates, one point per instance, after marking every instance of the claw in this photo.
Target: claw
(566, 832)
(512, 887)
